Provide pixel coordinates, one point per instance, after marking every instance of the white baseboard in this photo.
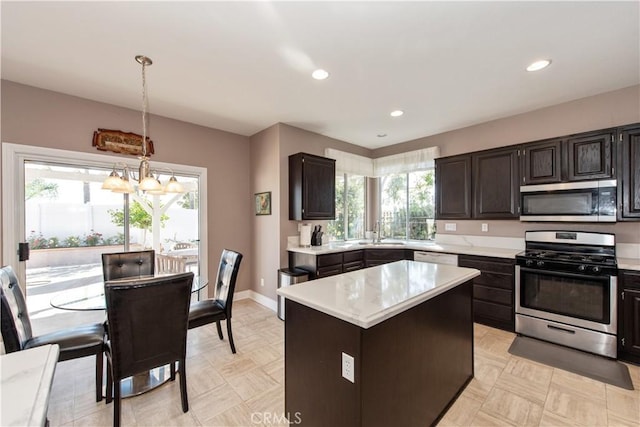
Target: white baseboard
(259, 298)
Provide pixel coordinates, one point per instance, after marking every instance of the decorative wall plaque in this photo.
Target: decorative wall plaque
(120, 142)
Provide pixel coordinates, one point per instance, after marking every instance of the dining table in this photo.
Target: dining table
(91, 298)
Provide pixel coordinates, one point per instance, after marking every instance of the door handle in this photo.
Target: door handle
(23, 251)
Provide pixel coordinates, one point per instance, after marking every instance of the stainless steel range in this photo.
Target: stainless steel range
(566, 290)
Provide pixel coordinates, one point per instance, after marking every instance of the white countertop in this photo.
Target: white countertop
(369, 296)
(629, 264)
(27, 376)
(416, 246)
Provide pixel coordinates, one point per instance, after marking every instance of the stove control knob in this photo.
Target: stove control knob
(529, 262)
(595, 269)
(540, 263)
(582, 267)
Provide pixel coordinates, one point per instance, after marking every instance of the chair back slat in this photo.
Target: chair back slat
(147, 322)
(121, 265)
(16, 325)
(170, 264)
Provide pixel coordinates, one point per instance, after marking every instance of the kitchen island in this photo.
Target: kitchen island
(387, 345)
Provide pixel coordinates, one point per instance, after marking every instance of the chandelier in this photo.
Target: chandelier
(147, 182)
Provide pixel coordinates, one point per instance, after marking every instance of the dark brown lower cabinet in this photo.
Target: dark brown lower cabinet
(629, 316)
(373, 257)
(325, 265)
(493, 290)
(352, 261)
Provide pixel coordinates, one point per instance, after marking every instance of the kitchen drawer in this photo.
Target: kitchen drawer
(502, 313)
(500, 296)
(329, 259)
(350, 256)
(494, 280)
(352, 266)
(330, 270)
(487, 264)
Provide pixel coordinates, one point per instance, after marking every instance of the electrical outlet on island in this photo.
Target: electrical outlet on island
(348, 367)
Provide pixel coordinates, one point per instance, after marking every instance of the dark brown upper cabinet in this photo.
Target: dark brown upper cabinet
(543, 162)
(312, 187)
(590, 156)
(629, 187)
(496, 183)
(453, 187)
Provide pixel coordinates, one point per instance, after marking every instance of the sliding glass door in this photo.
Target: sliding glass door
(69, 221)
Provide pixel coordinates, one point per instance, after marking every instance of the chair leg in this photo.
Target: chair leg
(173, 371)
(109, 397)
(219, 330)
(99, 368)
(116, 404)
(233, 347)
(183, 385)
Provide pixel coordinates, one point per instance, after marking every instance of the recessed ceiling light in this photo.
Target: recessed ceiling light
(397, 113)
(539, 65)
(382, 135)
(320, 74)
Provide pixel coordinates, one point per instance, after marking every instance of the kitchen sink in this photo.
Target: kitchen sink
(383, 243)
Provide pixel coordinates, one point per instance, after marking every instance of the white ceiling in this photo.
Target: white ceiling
(243, 66)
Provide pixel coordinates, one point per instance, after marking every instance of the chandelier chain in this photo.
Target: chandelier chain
(144, 110)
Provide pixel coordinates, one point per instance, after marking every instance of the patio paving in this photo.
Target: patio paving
(45, 283)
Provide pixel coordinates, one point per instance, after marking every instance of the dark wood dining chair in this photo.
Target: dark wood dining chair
(147, 329)
(80, 341)
(218, 308)
(121, 265)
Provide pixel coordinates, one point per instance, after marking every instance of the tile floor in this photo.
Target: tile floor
(247, 389)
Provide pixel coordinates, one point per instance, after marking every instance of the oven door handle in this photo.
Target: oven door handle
(559, 329)
(565, 274)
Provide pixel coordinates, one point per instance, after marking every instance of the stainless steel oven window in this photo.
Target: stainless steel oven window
(580, 297)
(609, 286)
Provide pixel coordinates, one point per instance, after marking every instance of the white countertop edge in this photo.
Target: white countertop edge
(372, 320)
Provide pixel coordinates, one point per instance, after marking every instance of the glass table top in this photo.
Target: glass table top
(91, 297)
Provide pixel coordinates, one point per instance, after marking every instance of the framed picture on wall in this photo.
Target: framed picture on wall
(263, 203)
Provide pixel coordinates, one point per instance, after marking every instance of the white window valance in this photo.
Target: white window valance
(352, 164)
(410, 161)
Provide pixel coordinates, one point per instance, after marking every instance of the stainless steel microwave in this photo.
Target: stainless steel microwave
(586, 201)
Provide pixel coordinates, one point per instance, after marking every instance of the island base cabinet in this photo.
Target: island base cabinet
(408, 369)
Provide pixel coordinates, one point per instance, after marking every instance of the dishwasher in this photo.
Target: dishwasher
(436, 258)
